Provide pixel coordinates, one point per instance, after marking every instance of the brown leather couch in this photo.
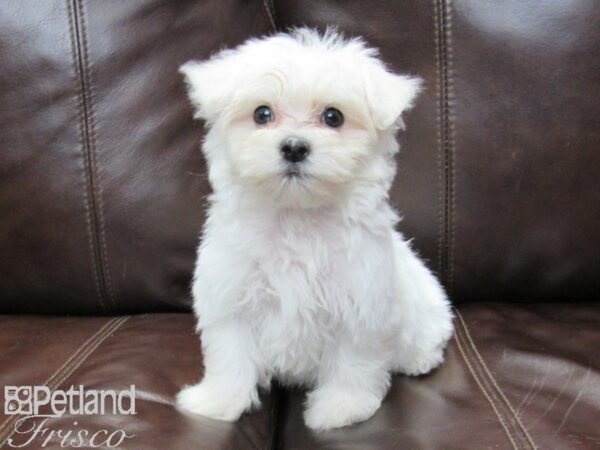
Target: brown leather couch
(102, 196)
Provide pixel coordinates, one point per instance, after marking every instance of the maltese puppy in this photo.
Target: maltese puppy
(301, 274)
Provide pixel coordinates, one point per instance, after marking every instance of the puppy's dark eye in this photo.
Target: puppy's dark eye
(263, 114)
(333, 117)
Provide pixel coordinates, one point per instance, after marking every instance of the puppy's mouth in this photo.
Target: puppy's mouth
(293, 172)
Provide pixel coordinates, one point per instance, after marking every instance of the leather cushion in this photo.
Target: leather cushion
(102, 183)
(158, 353)
(499, 172)
(516, 376)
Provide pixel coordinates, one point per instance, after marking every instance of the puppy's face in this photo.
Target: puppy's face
(299, 118)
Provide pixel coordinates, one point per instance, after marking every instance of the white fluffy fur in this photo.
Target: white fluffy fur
(306, 279)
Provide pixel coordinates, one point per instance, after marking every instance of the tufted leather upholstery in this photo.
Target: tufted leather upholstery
(102, 195)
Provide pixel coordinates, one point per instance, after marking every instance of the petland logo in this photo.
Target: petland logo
(38, 404)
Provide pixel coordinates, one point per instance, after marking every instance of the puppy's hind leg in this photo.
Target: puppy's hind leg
(229, 385)
(424, 312)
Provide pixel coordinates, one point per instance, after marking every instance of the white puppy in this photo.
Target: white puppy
(301, 274)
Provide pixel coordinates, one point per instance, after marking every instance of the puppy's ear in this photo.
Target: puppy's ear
(209, 86)
(389, 95)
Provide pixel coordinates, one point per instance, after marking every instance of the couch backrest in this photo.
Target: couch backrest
(499, 173)
(102, 185)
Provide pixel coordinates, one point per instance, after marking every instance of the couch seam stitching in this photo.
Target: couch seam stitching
(445, 154)
(451, 198)
(270, 8)
(495, 383)
(82, 143)
(486, 383)
(74, 357)
(483, 389)
(67, 361)
(437, 40)
(95, 165)
(116, 325)
(83, 346)
(82, 359)
(97, 342)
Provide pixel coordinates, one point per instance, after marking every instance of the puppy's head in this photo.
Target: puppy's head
(299, 118)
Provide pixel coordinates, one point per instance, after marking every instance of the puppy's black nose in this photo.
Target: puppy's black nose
(295, 149)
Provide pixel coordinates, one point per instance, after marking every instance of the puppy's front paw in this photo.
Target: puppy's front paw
(333, 408)
(213, 402)
(421, 362)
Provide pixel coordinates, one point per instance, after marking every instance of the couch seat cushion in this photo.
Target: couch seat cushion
(158, 353)
(516, 377)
